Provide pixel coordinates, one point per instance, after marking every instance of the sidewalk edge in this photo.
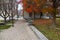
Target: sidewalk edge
(38, 33)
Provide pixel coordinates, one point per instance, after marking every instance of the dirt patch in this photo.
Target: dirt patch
(42, 21)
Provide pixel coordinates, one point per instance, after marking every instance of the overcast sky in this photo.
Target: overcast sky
(19, 5)
(18, 0)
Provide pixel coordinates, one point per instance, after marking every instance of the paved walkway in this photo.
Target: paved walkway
(20, 31)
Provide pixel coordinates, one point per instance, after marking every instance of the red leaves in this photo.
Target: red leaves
(31, 5)
(24, 3)
(42, 21)
(35, 6)
(36, 10)
(29, 10)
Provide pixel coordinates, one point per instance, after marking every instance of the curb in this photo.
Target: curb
(38, 33)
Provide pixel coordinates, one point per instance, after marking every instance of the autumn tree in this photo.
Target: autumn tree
(43, 6)
(55, 6)
(33, 6)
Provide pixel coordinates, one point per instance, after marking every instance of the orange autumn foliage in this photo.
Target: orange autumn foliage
(50, 9)
(35, 5)
(44, 10)
(29, 10)
(43, 22)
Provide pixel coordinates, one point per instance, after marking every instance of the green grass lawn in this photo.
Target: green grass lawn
(1, 20)
(6, 26)
(49, 32)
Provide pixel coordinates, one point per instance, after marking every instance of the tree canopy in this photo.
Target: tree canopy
(37, 6)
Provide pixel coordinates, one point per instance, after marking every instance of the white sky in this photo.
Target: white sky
(20, 7)
(17, 0)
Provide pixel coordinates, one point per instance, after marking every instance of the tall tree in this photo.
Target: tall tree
(40, 6)
(6, 9)
(55, 6)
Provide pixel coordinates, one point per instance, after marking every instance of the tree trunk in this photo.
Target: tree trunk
(54, 19)
(54, 16)
(34, 15)
(41, 15)
(9, 18)
(5, 20)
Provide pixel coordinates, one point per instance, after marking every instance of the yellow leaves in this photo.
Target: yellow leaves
(36, 1)
(43, 1)
(37, 4)
(44, 10)
(50, 9)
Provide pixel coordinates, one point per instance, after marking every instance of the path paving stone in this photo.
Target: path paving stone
(20, 31)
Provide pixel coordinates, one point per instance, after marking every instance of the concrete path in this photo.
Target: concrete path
(20, 31)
